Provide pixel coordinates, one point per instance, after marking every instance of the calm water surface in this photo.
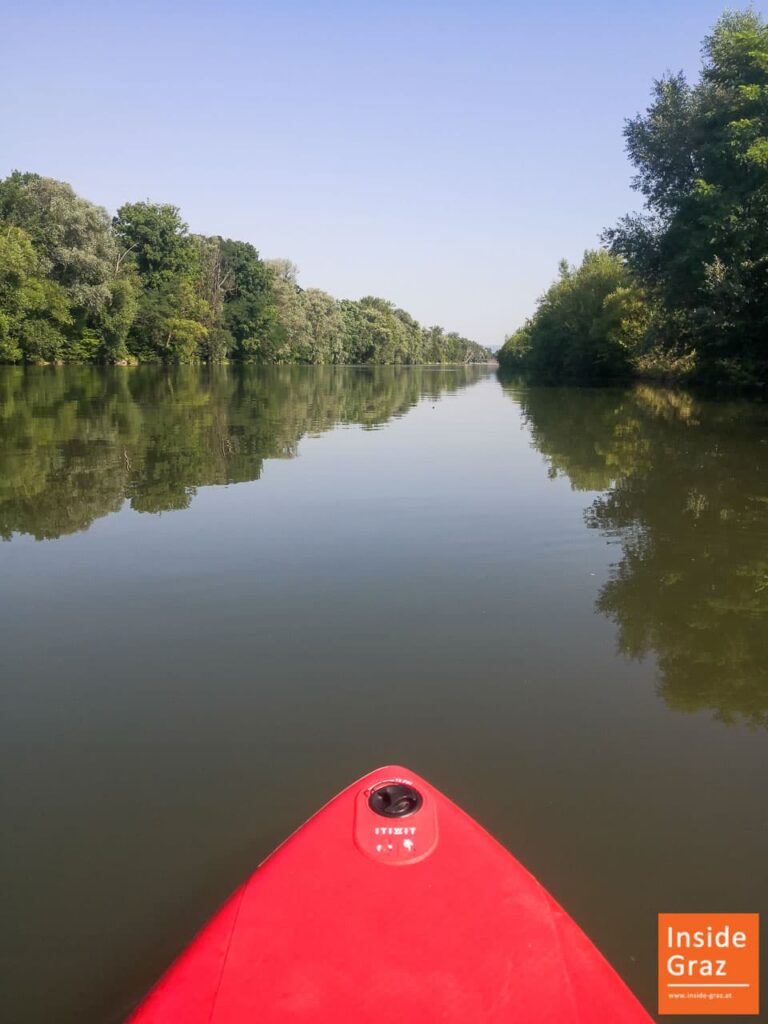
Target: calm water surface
(224, 595)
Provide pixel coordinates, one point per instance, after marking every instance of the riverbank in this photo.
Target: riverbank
(77, 285)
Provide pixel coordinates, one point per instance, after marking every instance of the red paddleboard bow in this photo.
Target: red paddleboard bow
(391, 904)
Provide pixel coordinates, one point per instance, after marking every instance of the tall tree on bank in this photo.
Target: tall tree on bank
(76, 250)
(693, 266)
(250, 313)
(170, 321)
(701, 154)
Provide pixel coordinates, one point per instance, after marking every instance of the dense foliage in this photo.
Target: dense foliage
(588, 323)
(695, 262)
(76, 285)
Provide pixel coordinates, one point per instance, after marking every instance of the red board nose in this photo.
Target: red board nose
(326, 931)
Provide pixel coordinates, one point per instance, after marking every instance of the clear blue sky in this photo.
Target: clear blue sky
(444, 155)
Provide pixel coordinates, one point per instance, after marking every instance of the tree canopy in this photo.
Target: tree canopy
(695, 260)
(587, 324)
(77, 285)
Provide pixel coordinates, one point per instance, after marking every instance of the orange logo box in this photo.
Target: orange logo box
(709, 963)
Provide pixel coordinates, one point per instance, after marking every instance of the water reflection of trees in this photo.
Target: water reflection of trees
(76, 442)
(685, 492)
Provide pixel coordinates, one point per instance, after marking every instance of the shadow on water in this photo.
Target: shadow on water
(76, 442)
(684, 485)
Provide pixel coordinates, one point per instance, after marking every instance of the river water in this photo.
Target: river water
(226, 594)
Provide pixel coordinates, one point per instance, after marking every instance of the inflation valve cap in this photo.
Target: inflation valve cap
(395, 800)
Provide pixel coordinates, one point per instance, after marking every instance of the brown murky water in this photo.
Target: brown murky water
(224, 595)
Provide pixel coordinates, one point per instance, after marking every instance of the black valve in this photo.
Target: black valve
(395, 800)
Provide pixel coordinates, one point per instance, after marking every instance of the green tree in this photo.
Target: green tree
(589, 324)
(439, 347)
(174, 318)
(170, 323)
(34, 312)
(250, 314)
(326, 326)
(116, 319)
(77, 253)
(378, 332)
(291, 340)
(72, 237)
(701, 154)
(156, 240)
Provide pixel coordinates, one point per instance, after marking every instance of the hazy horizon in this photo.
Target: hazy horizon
(444, 157)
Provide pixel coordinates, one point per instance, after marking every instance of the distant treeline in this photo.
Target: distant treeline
(680, 290)
(79, 285)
